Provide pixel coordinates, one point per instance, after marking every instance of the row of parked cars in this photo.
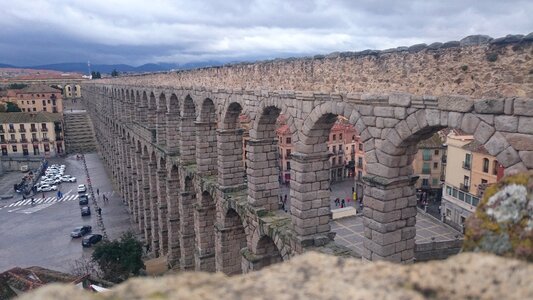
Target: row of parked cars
(84, 232)
(54, 175)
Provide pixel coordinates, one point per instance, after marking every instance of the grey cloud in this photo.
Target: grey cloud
(138, 31)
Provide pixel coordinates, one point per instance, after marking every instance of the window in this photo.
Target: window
(44, 108)
(486, 165)
(333, 161)
(483, 181)
(448, 212)
(2, 139)
(334, 149)
(12, 137)
(435, 165)
(288, 152)
(426, 154)
(14, 148)
(44, 102)
(436, 152)
(288, 165)
(359, 174)
(466, 181)
(360, 146)
(359, 162)
(434, 181)
(461, 196)
(340, 136)
(334, 137)
(466, 163)
(454, 193)
(288, 140)
(46, 148)
(494, 167)
(34, 109)
(475, 201)
(425, 182)
(353, 138)
(449, 190)
(48, 101)
(45, 135)
(468, 199)
(426, 168)
(32, 101)
(11, 127)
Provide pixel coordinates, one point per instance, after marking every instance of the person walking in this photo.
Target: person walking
(343, 204)
(98, 192)
(337, 202)
(99, 211)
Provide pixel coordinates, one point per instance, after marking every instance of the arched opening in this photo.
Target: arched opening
(161, 120)
(162, 208)
(188, 132)
(262, 161)
(187, 229)
(172, 186)
(172, 126)
(231, 172)
(151, 112)
(204, 221)
(154, 199)
(206, 139)
(231, 239)
(266, 253)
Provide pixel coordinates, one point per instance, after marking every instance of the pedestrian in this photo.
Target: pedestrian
(343, 204)
(98, 192)
(43, 195)
(99, 211)
(147, 247)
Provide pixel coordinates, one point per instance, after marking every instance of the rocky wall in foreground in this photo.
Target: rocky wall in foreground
(318, 276)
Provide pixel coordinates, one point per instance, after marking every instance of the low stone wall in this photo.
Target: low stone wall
(14, 164)
(319, 276)
(437, 250)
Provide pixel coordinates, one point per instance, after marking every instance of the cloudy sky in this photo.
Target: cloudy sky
(140, 31)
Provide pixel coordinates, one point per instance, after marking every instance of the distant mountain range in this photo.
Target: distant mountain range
(102, 68)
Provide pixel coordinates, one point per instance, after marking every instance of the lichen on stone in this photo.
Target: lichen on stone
(503, 221)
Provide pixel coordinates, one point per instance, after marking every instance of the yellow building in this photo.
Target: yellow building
(72, 91)
(31, 134)
(469, 168)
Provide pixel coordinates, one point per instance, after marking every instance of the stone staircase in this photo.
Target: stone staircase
(79, 135)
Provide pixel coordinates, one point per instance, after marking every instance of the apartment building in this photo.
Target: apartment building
(429, 164)
(469, 170)
(36, 98)
(31, 134)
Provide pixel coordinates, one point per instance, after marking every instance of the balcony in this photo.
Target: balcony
(59, 138)
(34, 140)
(45, 139)
(23, 140)
(3, 141)
(466, 165)
(12, 141)
(22, 130)
(33, 129)
(44, 129)
(11, 130)
(2, 130)
(464, 188)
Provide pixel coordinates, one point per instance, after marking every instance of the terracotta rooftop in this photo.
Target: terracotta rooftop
(23, 117)
(38, 88)
(434, 141)
(475, 146)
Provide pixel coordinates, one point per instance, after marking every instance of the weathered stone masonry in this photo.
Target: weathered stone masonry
(184, 182)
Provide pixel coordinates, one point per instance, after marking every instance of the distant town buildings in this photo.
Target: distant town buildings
(429, 164)
(35, 98)
(469, 170)
(31, 134)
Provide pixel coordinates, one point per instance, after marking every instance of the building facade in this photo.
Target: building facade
(31, 134)
(469, 169)
(36, 98)
(430, 163)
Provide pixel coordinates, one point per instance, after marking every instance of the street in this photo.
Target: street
(39, 235)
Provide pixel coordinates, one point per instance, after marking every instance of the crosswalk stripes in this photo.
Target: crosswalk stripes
(48, 200)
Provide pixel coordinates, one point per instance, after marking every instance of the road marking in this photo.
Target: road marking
(34, 209)
(14, 209)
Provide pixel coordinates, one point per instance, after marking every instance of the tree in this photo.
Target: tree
(96, 75)
(11, 107)
(17, 86)
(119, 259)
(114, 73)
(2, 107)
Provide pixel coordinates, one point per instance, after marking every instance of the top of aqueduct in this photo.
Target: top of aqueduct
(477, 66)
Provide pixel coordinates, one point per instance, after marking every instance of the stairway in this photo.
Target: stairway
(79, 136)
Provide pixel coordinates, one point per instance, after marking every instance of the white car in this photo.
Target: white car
(68, 178)
(47, 188)
(82, 188)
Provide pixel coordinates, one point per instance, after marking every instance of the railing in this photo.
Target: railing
(44, 129)
(466, 165)
(3, 141)
(22, 129)
(13, 141)
(34, 140)
(464, 188)
(23, 140)
(33, 129)
(2, 130)
(11, 130)
(46, 139)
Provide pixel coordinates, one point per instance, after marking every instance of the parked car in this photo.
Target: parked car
(80, 231)
(84, 199)
(85, 211)
(68, 178)
(82, 188)
(91, 239)
(46, 188)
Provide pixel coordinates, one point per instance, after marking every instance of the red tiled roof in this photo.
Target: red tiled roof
(283, 130)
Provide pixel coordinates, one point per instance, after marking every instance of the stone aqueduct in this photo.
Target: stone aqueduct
(175, 151)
